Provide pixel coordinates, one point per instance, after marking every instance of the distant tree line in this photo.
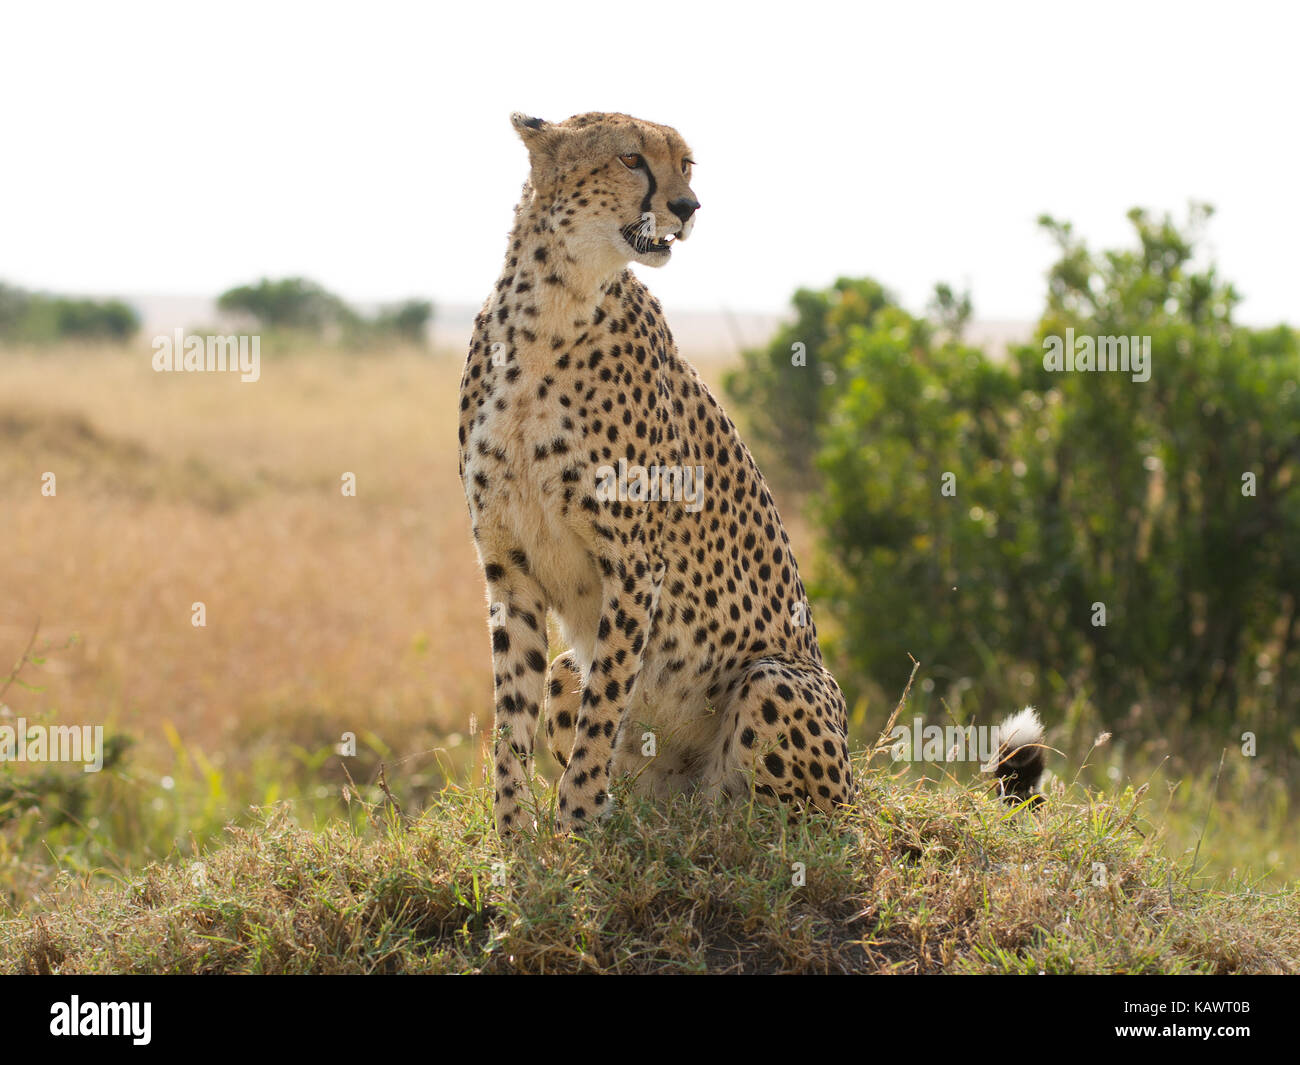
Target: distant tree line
(33, 317)
(301, 305)
(291, 304)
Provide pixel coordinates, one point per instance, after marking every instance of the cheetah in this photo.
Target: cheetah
(608, 489)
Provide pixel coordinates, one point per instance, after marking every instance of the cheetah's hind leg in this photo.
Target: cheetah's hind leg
(785, 730)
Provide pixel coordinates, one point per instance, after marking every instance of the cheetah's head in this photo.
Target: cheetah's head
(617, 188)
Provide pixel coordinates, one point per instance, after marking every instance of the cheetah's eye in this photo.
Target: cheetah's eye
(632, 162)
(686, 167)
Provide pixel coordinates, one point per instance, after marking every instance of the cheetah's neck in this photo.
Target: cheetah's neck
(553, 279)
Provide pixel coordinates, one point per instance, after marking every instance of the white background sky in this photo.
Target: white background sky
(183, 148)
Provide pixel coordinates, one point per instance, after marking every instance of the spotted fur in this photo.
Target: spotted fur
(693, 660)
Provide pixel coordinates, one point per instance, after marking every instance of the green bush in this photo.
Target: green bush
(975, 511)
(787, 387)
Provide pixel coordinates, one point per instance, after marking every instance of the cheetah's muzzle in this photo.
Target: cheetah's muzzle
(645, 244)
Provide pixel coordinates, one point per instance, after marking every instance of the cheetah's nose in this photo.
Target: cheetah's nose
(684, 208)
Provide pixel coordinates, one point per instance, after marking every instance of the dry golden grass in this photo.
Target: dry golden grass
(325, 613)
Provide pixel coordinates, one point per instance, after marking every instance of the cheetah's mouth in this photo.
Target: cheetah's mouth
(646, 243)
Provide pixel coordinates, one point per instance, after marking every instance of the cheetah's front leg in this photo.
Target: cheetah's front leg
(517, 619)
(630, 593)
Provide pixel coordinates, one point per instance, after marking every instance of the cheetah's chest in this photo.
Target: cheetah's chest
(526, 470)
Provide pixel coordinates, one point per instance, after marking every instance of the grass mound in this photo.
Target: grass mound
(915, 878)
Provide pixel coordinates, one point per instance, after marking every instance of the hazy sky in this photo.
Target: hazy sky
(183, 148)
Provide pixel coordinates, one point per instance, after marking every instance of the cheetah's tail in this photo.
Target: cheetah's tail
(1021, 758)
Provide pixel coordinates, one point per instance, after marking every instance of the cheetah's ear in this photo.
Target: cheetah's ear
(538, 135)
(542, 139)
(527, 126)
